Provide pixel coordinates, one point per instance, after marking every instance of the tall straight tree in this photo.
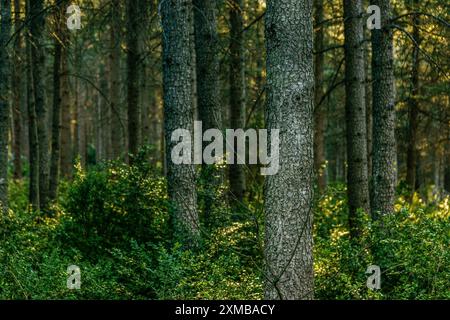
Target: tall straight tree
(384, 161)
(37, 25)
(17, 90)
(355, 110)
(289, 193)
(319, 110)
(237, 93)
(207, 66)
(413, 102)
(178, 62)
(134, 132)
(33, 193)
(5, 33)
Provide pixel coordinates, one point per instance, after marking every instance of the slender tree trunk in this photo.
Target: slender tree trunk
(56, 115)
(289, 193)
(319, 111)
(411, 153)
(32, 127)
(5, 33)
(237, 93)
(207, 62)
(16, 87)
(66, 118)
(178, 61)
(117, 132)
(355, 110)
(37, 25)
(134, 133)
(384, 145)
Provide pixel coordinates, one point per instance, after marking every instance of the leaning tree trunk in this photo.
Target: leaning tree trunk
(355, 110)
(207, 59)
(5, 33)
(237, 94)
(134, 134)
(37, 25)
(319, 110)
(289, 193)
(178, 61)
(384, 162)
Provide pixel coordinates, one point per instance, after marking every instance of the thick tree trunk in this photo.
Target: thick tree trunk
(5, 74)
(32, 128)
(237, 94)
(289, 193)
(355, 110)
(207, 63)
(37, 25)
(17, 87)
(384, 145)
(178, 62)
(134, 134)
(319, 110)
(413, 112)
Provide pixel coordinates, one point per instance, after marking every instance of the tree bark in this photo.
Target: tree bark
(5, 74)
(237, 94)
(178, 62)
(319, 111)
(289, 193)
(355, 109)
(384, 164)
(37, 25)
(134, 133)
(66, 119)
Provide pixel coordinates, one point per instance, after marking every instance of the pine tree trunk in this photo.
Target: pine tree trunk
(319, 110)
(178, 62)
(37, 25)
(16, 87)
(5, 74)
(384, 164)
(237, 94)
(134, 134)
(355, 110)
(289, 193)
(207, 63)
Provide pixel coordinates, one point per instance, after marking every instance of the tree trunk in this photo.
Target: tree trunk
(17, 86)
(207, 63)
(134, 134)
(411, 153)
(32, 127)
(5, 33)
(178, 61)
(319, 110)
(37, 25)
(237, 94)
(355, 110)
(384, 145)
(66, 119)
(289, 193)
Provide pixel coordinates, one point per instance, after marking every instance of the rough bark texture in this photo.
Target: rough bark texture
(207, 66)
(17, 90)
(37, 25)
(5, 33)
(319, 110)
(237, 94)
(355, 111)
(289, 193)
(134, 133)
(384, 146)
(411, 152)
(177, 22)
(32, 129)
